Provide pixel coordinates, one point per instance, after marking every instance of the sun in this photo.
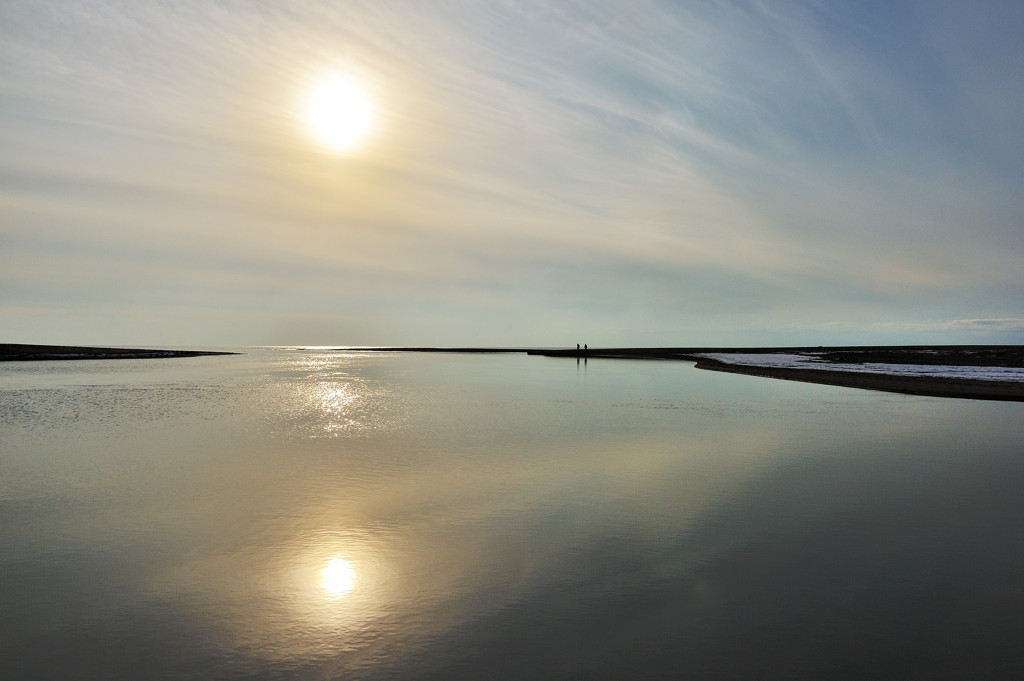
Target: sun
(339, 112)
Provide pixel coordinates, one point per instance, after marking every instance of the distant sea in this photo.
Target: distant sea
(323, 514)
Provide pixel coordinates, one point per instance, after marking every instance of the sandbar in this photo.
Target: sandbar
(17, 352)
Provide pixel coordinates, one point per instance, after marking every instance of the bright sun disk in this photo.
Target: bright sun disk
(339, 112)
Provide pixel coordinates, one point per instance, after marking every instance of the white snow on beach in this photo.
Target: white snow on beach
(814, 361)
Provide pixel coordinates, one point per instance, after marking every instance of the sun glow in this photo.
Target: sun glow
(340, 113)
(337, 577)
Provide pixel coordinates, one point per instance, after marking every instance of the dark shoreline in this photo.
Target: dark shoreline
(17, 352)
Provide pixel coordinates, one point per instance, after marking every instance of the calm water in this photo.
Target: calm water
(295, 514)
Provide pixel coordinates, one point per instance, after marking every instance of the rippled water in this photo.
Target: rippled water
(298, 514)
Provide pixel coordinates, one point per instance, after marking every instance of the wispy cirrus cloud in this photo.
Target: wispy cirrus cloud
(706, 166)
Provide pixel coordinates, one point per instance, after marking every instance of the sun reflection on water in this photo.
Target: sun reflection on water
(337, 402)
(337, 577)
(333, 400)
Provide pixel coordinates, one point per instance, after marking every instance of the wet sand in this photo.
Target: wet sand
(935, 386)
(16, 352)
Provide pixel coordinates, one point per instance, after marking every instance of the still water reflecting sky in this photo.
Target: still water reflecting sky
(319, 514)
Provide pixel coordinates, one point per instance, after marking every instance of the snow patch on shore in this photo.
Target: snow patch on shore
(813, 361)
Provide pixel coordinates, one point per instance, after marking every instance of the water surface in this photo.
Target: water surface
(323, 514)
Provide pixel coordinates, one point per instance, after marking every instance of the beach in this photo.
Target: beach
(960, 371)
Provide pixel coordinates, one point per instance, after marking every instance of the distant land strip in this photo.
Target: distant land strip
(16, 352)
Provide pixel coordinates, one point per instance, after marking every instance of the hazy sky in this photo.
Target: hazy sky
(535, 173)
